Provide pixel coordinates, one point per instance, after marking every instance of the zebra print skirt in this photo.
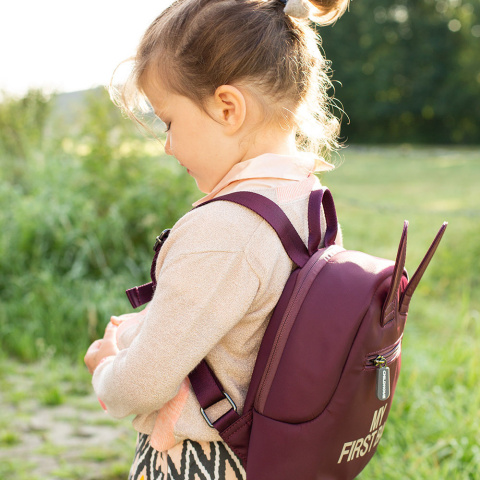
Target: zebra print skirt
(187, 460)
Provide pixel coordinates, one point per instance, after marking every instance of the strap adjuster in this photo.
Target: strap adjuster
(232, 403)
(160, 239)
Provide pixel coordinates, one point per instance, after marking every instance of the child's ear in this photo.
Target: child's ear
(229, 107)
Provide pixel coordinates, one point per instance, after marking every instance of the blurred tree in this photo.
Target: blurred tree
(22, 123)
(409, 69)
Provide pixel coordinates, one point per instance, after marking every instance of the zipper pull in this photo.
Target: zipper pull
(382, 378)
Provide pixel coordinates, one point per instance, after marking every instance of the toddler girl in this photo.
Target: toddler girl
(242, 89)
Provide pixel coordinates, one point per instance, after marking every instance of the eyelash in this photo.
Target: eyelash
(167, 125)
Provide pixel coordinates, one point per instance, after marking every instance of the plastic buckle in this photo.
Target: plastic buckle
(202, 411)
(161, 238)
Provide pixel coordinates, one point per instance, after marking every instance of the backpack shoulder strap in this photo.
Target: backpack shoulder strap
(205, 384)
(278, 220)
(275, 216)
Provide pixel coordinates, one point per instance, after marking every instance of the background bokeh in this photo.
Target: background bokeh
(409, 70)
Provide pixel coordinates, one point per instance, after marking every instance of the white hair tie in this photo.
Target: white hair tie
(297, 8)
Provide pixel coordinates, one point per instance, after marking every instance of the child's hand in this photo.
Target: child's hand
(101, 349)
(127, 327)
(128, 317)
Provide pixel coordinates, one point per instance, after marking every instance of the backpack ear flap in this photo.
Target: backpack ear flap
(417, 276)
(390, 305)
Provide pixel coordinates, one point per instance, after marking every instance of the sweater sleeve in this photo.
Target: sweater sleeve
(200, 296)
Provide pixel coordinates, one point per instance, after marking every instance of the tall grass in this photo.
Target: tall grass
(80, 210)
(78, 221)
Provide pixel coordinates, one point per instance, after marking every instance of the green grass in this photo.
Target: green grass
(17, 470)
(8, 438)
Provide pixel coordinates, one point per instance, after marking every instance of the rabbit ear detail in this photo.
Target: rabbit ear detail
(297, 8)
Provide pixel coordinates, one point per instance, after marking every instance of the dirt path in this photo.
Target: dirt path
(73, 438)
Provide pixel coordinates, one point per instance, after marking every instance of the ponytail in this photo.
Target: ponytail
(323, 12)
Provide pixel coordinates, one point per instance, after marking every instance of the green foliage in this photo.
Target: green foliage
(78, 224)
(16, 470)
(22, 124)
(409, 70)
(52, 397)
(8, 438)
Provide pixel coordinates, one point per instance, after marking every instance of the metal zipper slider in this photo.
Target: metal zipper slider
(382, 378)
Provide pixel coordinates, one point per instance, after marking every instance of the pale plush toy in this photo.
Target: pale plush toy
(297, 8)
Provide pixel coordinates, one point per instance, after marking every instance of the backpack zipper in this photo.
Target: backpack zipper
(380, 361)
(390, 354)
(286, 324)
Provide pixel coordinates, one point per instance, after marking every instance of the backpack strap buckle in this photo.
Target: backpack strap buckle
(160, 239)
(143, 294)
(232, 403)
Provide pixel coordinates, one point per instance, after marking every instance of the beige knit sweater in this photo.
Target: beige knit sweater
(220, 275)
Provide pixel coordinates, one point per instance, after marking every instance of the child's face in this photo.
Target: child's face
(193, 137)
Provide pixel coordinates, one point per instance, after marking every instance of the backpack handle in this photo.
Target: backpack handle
(317, 199)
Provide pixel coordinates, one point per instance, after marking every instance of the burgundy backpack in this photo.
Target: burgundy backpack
(329, 361)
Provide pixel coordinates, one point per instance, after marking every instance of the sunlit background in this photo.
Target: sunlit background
(67, 46)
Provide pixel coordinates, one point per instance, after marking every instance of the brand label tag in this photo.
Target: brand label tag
(383, 383)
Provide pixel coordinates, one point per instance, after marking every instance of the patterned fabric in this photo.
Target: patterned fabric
(187, 460)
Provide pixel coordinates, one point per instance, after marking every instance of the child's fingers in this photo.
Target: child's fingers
(121, 318)
(110, 333)
(90, 358)
(116, 320)
(94, 346)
